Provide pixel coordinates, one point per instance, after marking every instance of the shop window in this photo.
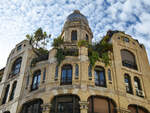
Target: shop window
(101, 105)
(137, 109)
(32, 107)
(65, 104)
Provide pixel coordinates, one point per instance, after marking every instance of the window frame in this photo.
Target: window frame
(65, 79)
(99, 72)
(11, 97)
(36, 80)
(74, 35)
(128, 85)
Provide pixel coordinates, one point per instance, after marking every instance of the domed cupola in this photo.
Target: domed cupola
(76, 16)
(76, 28)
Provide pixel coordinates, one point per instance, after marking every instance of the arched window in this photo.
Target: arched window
(65, 104)
(36, 80)
(128, 59)
(32, 107)
(137, 109)
(127, 81)
(66, 74)
(100, 76)
(76, 71)
(138, 87)
(101, 105)
(16, 67)
(5, 94)
(13, 90)
(74, 35)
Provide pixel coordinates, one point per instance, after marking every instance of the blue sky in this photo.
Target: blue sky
(21, 17)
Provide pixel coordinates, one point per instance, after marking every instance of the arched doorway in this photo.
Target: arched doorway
(65, 104)
(98, 104)
(137, 109)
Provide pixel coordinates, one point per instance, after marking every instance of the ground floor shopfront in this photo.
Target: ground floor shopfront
(73, 104)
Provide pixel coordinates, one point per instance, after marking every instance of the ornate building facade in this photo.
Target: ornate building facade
(74, 86)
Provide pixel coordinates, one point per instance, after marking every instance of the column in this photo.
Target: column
(46, 108)
(84, 106)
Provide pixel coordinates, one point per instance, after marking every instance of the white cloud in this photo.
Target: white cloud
(19, 17)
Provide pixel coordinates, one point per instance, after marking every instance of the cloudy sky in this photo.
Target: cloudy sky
(20, 17)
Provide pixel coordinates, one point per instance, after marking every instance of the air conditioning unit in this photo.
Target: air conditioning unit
(140, 92)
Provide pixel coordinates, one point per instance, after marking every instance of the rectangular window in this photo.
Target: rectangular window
(44, 74)
(74, 35)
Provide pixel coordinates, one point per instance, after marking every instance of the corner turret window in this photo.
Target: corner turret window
(128, 59)
(100, 76)
(16, 67)
(127, 81)
(66, 75)
(36, 80)
(74, 35)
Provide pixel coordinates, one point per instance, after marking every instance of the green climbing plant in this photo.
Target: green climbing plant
(98, 51)
(59, 56)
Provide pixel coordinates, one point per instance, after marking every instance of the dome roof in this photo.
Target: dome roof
(77, 16)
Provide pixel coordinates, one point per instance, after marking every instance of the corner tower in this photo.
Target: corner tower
(76, 28)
